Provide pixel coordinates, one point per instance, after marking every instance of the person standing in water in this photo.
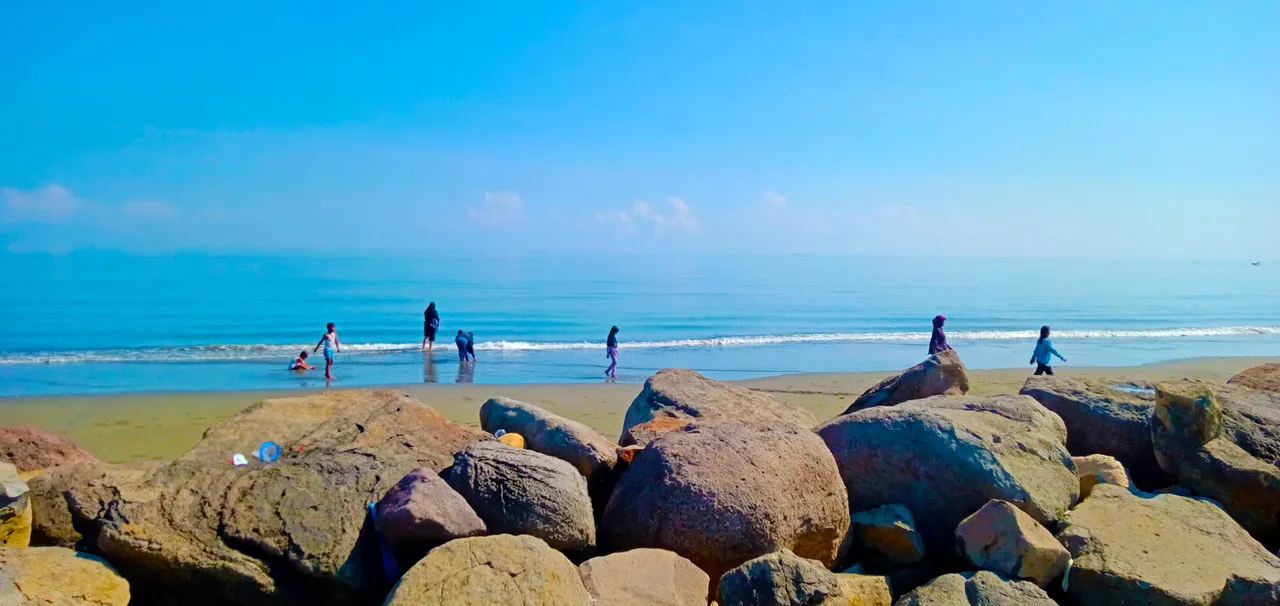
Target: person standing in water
(1044, 352)
(471, 345)
(938, 340)
(462, 343)
(611, 352)
(331, 347)
(430, 324)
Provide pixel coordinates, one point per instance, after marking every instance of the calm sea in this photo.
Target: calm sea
(96, 322)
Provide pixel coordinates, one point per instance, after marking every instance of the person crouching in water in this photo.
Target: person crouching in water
(1044, 352)
(938, 340)
(463, 344)
(300, 362)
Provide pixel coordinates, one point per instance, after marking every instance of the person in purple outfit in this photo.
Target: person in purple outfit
(938, 341)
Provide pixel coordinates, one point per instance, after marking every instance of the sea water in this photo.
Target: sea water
(101, 322)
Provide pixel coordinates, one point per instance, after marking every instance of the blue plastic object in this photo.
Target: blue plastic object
(269, 452)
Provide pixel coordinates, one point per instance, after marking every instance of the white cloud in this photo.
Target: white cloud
(49, 204)
(501, 208)
(149, 209)
(682, 217)
(773, 198)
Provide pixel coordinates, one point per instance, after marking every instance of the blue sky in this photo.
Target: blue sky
(1107, 129)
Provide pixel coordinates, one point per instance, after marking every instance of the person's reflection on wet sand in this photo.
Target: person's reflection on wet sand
(466, 372)
(429, 373)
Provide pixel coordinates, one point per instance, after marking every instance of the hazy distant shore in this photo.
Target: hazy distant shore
(161, 426)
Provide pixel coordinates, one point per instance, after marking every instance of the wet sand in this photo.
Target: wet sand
(161, 426)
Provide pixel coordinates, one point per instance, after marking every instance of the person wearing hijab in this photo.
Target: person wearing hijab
(611, 352)
(1042, 355)
(938, 341)
(430, 324)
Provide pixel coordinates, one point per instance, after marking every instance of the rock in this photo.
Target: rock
(421, 512)
(1222, 442)
(781, 578)
(941, 374)
(653, 577)
(684, 394)
(201, 531)
(1265, 377)
(91, 485)
(54, 575)
(31, 448)
(1001, 538)
(1099, 469)
(1160, 549)
(887, 533)
(640, 435)
(519, 491)
(479, 571)
(944, 457)
(1103, 420)
(592, 454)
(977, 589)
(721, 494)
(863, 590)
(15, 508)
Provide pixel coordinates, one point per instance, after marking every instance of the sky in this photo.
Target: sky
(994, 129)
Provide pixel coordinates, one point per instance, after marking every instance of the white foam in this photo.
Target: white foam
(266, 351)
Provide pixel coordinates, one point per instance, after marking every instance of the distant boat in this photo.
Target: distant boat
(1257, 263)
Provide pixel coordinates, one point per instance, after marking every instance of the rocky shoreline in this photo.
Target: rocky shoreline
(1074, 492)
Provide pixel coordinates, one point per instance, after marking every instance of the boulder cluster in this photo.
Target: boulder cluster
(1071, 493)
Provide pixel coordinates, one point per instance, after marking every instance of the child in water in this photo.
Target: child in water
(1044, 350)
(611, 352)
(300, 362)
(331, 347)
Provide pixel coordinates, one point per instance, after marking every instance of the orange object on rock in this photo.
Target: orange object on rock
(512, 439)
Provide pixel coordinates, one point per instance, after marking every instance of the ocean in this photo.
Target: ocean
(93, 322)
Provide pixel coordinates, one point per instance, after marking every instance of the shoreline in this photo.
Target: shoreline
(143, 426)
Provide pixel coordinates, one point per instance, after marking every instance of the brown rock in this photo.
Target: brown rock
(1099, 469)
(1001, 538)
(202, 531)
(15, 508)
(863, 590)
(1265, 378)
(480, 571)
(519, 491)
(721, 494)
(32, 448)
(977, 589)
(779, 579)
(887, 533)
(941, 374)
(654, 577)
(1160, 549)
(680, 393)
(592, 454)
(1186, 417)
(944, 457)
(421, 512)
(58, 576)
(91, 486)
(640, 435)
(1103, 420)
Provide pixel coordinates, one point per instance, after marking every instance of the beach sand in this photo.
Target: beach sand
(162, 426)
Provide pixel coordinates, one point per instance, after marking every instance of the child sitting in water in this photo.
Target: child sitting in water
(300, 362)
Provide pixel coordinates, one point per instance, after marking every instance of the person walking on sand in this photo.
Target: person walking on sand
(462, 343)
(300, 362)
(430, 324)
(938, 340)
(1044, 352)
(611, 352)
(331, 347)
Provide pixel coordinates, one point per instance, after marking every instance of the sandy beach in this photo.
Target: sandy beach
(161, 426)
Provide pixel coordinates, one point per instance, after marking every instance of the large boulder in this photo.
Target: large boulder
(1223, 442)
(1160, 549)
(654, 577)
(592, 454)
(1104, 420)
(722, 493)
(1001, 538)
(941, 374)
(15, 508)
(944, 457)
(887, 534)
(497, 570)
(202, 531)
(517, 491)
(977, 589)
(779, 579)
(1099, 469)
(1265, 377)
(31, 448)
(91, 486)
(680, 393)
(421, 512)
(58, 576)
